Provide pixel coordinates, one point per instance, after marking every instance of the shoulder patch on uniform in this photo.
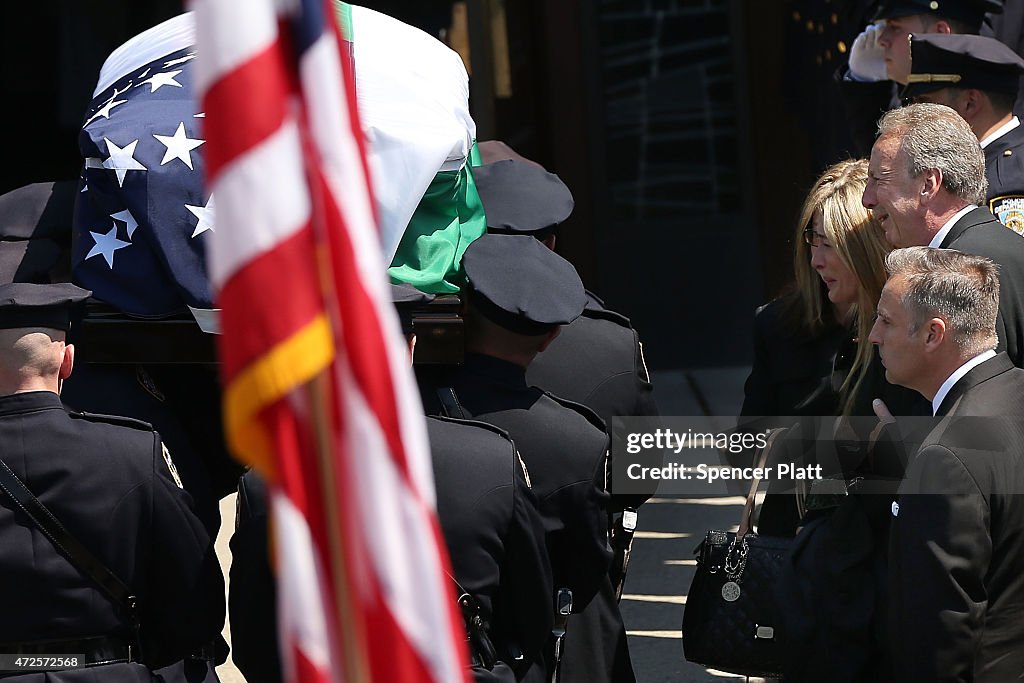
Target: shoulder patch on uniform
(526, 472)
(591, 417)
(170, 466)
(1009, 209)
(118, 420)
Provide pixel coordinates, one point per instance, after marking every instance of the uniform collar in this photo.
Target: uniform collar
(29, 401)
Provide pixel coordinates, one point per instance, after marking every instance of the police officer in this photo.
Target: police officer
(495, 537)
(597, 359)
(181, 402)
(519, 296)
(122, 520)
(492, 528)
(978, 77)
(880, 56)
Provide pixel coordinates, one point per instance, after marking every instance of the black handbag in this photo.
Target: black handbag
(731, 613)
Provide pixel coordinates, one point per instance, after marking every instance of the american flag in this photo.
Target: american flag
(142, 220)
(318, 392)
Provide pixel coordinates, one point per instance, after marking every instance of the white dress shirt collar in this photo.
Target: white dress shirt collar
(957, 376)
(941, 234)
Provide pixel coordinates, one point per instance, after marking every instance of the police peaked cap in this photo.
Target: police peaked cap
(962, 61)
(25, 304)
(968, 11)
(520, 197)
(518, 283)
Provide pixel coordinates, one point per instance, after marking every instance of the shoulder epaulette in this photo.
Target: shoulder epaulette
(495, 430)
(591, 417)
(118, 420)
(473, 423)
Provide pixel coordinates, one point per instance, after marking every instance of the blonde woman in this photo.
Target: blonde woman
(839, 273)
(813, 358)
(843, 248)
(808, 359)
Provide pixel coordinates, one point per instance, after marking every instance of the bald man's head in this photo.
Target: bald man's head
(33, 359)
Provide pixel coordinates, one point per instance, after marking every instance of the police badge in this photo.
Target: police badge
(1009, 209)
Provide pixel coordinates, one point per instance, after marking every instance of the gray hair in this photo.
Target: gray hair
(935, 136)
(960, 288)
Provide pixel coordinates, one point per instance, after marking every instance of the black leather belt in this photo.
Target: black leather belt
(92, 651)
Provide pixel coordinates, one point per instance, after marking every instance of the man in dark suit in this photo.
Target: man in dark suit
(926, 180)
(956, 561)
(978, 78)
(111, 483)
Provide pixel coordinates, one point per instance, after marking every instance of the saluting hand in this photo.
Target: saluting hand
(867, 57)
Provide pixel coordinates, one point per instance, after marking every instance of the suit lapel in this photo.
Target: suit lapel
(971, 219)
(978, 374)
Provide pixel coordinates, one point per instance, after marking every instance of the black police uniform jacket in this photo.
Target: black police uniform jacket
(564, 448)
(107, 481)
(492, 529)
(495, 537)
(1004, 168)
(597, 360)
(979, 233)
(956, 559)
(131, 391)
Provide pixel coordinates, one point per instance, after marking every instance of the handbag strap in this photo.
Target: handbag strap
(748, 507)
(72, 549)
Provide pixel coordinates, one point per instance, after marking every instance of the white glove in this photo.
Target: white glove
(867, 57)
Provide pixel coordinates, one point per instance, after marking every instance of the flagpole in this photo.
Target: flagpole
(350, 631)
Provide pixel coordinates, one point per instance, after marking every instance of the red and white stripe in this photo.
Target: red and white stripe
(296, 243)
